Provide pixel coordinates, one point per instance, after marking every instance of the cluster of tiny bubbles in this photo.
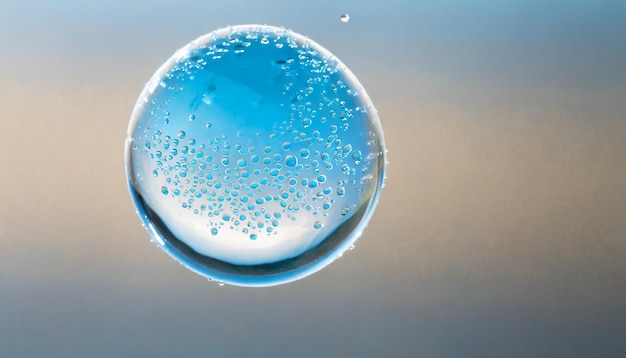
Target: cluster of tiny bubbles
(254, 156)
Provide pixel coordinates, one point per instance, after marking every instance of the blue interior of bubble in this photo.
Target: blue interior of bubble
(254, 156)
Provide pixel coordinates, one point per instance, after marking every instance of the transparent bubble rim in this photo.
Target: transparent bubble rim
(255, 280)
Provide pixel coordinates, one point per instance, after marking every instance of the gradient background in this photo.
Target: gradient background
(501, 231)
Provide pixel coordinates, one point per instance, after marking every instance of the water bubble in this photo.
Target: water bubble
(344, 18)
(291, 186)
(291, 160)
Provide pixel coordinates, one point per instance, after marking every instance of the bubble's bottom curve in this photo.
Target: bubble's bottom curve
(260, 275)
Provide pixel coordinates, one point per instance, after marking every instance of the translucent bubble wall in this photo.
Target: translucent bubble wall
(254, 156)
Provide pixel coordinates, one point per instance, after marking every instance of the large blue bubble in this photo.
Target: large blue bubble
(254, 156)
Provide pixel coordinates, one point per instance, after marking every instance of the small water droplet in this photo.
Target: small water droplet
(344, 18)
(291, 160)
(318, 225)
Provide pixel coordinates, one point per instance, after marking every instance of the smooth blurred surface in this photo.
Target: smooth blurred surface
(501, 230)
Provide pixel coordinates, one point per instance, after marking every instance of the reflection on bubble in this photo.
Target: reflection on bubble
(254, 156)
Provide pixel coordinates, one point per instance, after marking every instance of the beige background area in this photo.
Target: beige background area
(501, 230)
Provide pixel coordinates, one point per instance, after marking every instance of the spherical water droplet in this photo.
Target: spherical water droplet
(345, 18)
(291, 160)
(284, 157)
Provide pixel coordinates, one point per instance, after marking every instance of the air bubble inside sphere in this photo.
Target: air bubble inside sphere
(254, 157)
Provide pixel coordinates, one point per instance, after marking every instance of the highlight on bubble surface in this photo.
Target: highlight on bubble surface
(254, 156)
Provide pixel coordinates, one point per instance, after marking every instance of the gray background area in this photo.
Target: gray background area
(501, 231)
